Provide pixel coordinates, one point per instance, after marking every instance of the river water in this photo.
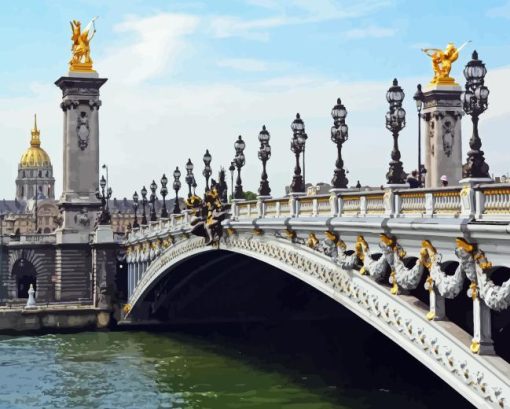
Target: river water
(305, 366)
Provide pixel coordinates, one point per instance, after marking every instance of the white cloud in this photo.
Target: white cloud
(158, 43)
(243, 64)
(147, 130)
(291, 12)
(500, 11)
(370, 32)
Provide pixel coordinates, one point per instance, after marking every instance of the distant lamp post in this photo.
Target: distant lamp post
(232, 169)
(339, 134)
(239, 162)
(194, 185)
(419, 98)
(297, 146)
(144, 204)
(135, 207)
(104, 217)
(189, 175)
(152, 201)
(264, 155)
(475, 101)
(207, 169)
(164, 192)
(177, 186)
(395, 122)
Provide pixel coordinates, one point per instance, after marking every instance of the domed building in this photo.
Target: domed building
(34, 209)
(35, 172)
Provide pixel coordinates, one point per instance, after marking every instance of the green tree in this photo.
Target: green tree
(250, 195)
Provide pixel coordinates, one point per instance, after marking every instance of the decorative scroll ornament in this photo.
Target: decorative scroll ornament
(376, 269)
(409, 278)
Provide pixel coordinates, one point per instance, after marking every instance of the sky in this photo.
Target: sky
(186, 76)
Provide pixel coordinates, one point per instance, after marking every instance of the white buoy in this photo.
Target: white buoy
(31, 298)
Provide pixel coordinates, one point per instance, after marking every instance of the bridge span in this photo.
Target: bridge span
(411, 263)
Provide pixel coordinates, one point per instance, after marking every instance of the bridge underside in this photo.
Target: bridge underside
(189, 281)
(263, 305)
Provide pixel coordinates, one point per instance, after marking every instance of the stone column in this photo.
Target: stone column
(80, 103)
(78, 204)
(443, 143)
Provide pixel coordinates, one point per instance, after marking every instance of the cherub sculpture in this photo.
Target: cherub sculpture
(208, 214)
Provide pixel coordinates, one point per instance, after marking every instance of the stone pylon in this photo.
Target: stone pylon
(78, 203)
(443, 135)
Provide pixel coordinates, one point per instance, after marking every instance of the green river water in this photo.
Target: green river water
(248, 367)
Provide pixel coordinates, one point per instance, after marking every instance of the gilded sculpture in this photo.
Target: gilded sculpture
(80, 60)
(442, 62)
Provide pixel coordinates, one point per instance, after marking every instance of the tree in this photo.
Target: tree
(250, 195)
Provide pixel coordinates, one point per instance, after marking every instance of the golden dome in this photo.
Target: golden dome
(35, 156)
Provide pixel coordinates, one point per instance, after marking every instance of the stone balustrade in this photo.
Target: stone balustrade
(489, 202)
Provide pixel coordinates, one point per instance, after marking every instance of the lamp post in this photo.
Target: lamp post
(189, 175)
(104, 217)
(475, 101)
(164, 192)
(135, 207)
(194, 185)
(339, 134)
(232, 169)
(395, 122)
(177, 186)
(264, 155)
(239, 161)
(419, 98)
(207, 169)
(152, 201)
(144, 204)
(297, 146)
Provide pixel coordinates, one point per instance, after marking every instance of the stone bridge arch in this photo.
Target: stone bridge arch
(440, 345)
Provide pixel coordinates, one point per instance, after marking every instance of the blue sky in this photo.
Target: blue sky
(189, 75)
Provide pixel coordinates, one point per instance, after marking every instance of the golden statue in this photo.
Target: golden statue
(442, 62)
(81, 60)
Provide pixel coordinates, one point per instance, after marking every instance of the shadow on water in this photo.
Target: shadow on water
(321, 354)
(340, 363)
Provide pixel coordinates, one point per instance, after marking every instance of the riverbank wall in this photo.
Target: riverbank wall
(53, 318)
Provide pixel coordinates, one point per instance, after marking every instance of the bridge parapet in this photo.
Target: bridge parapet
(490, 202)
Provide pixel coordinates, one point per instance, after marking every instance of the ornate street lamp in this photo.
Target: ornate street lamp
(264, 155)
(475, 101)
(395, 122)
(232, 169)
(164, 192)
(135, 207)
(297, 146)
(339, 134)
(419, 98)
(194, 185)
(207, 169)
(104, 216)
(144, 204)
(152, 201)
(189, 175)
(239, 162)
(177, 186)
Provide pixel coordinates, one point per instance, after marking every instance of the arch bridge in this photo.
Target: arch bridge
(411, 263)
